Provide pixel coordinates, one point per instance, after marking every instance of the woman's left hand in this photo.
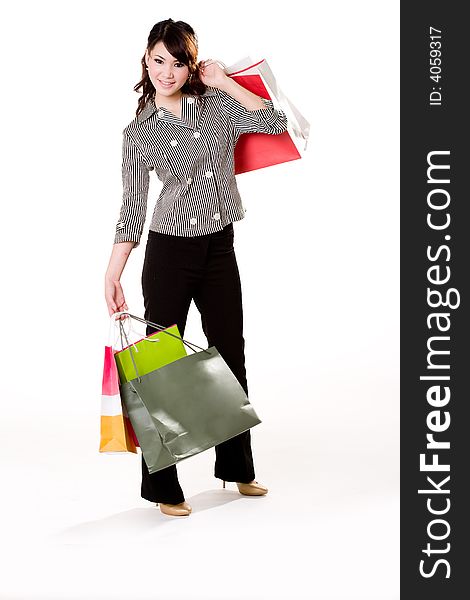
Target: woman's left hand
(211, 73)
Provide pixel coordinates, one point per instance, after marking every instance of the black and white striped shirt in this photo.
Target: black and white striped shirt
(194, 158)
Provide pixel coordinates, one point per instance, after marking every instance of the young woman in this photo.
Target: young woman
(189, 118)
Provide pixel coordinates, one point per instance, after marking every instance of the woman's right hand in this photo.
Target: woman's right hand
(113, 293)
(114, 297)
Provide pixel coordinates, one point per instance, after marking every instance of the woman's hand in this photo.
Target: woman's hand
(113, 293)
(114, 297)
(212, 74)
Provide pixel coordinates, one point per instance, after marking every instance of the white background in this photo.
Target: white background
(318, 253)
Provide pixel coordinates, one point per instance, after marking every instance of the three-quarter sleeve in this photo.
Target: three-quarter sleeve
(135, 183)
(262, 120)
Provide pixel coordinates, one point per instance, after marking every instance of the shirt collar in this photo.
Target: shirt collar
(150, 108)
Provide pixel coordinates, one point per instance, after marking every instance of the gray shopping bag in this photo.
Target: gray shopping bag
(186, 407)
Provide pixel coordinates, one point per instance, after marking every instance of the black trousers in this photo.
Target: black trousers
(177, 270)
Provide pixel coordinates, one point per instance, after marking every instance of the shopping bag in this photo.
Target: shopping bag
(149, 353)
(185, 407)
(257, 150)
(116, 431)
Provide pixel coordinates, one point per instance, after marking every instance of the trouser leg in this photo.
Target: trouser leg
(167, 281)
(218, 298)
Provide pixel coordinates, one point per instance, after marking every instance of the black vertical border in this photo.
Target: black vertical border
(426, 128)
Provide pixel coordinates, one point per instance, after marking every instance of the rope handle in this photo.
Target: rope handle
(159, 328)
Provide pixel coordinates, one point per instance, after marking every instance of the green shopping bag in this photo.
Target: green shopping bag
(185, 407)
(150, 353)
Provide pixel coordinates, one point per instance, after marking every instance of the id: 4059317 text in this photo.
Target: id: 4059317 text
(435, 66)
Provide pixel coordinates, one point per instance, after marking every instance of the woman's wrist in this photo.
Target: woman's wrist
(117, 262)
(111, 278)
(225, 84)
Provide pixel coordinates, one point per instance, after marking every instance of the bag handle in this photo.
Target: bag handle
(122, 332)
(160, 328)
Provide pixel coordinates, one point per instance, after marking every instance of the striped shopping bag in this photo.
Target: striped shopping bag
(117, 434)
(258, 150)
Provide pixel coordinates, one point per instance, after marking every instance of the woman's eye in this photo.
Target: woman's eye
(157, 60)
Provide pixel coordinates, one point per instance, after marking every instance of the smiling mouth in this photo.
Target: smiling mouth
(166, 83)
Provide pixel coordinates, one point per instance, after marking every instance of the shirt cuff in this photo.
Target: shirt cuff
(268, 114)
(127, 237)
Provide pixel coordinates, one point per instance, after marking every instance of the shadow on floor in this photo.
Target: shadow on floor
(138, 522)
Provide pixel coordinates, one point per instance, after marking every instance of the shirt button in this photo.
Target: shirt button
(216, 216)
(208, 173)
(193, 220)
(196, 134)
(191, 100)
(174, 142)
(160, 113)
(189, 180)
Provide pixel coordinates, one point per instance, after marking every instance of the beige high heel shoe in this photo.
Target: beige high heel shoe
(251, 489)
(182, 509)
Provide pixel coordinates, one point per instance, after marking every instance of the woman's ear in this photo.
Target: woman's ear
(147, 58)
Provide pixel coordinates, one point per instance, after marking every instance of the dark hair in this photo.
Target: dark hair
(181, 42)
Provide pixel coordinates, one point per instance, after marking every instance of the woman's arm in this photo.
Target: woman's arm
(213, 75)
(113, 291)
(135, 178)
(246, 98)
(248, 112)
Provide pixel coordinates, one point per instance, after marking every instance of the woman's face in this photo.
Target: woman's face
(166, 73)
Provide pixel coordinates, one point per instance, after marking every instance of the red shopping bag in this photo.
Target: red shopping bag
(117, 434)
(257, 150)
